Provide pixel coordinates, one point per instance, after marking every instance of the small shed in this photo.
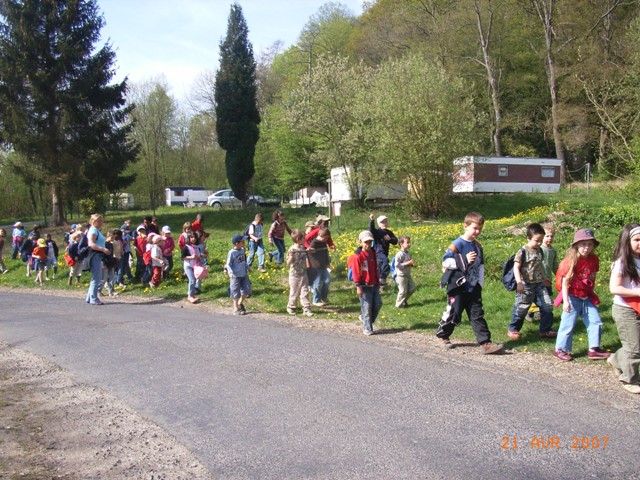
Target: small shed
(506, 175)
(186, 195)
(340, 191)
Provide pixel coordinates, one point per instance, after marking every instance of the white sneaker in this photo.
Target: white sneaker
(291, 311)
(632, 388)
(308, 313)
(319, 304)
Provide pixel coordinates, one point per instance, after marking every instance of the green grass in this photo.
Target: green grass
(603, 209)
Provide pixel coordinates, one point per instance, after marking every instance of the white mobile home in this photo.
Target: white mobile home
(506, 175)
(186, 195)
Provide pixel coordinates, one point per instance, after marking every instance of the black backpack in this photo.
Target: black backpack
(508, 277)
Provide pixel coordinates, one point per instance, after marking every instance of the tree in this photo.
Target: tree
(57, 108)
(237, 115)
(154, 129)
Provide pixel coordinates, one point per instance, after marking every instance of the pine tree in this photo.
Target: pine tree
(57, 108)
(237, 115)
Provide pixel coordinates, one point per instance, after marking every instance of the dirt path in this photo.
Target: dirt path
(52, 426)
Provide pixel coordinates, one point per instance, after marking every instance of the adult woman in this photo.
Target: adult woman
(97, 247)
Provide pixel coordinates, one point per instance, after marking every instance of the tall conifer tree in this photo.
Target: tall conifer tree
(237, 115)
(57, 108)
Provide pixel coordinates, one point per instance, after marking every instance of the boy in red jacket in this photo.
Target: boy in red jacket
(364, 268)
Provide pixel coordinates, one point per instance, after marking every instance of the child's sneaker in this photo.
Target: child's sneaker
(308, 313)
(513, 334)
(597, 353)
(562, 355)
(446, 343)
(548, 334)
(291, 311)
(242, 310)
(490, 348)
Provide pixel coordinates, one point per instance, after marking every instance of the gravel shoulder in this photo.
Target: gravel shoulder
(54, 426)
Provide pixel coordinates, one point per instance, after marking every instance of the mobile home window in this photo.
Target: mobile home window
(548, 172)
(179, 193)
(503, 171)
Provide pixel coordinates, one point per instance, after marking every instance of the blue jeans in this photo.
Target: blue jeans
(321, 280)
(590, 317)
(279, 253)
(370, 305)
(95, 267)
(253, 247)
(534, 292)
(191, 290)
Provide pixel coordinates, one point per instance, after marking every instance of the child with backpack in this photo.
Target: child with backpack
(403, 265)
(256, 243)
(298, 262)
(52, 257)
(531, 286)
(25, 252)
(464, 277)
(71, 257)
(625, 286)
(238, 271)
(157, 261)
(576, 278)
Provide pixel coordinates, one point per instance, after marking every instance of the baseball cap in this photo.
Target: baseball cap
(166, 229)
(584, 234)
(322, 218)
(381, 219)
(237, 238)
(365, 236)
(18, 224)
(309, 224)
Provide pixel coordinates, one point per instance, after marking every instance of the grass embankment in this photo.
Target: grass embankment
(604, 209)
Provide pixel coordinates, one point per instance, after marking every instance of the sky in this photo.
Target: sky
(180, 39)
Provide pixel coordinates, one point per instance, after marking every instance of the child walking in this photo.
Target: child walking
(576, 279)
(256, 243)
(298, 262)
(531, 286)
(464, 277)
(625, 286)
(382, 238)
(3, 240)
(364, 268)
(190, 254)
(39, 256)
(52, 257)
(75, 270)
(319, 262)
(238, 270)
(404, 264)
(167, 250)
(276, 236)
(549, 255)
(157, 261)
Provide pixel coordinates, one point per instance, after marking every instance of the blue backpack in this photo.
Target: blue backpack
(508, 277)
(392, 269)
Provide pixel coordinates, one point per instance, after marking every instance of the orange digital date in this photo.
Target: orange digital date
(543, 443)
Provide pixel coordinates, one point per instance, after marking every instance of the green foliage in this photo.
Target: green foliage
(237, 115)
(89, 206)
(57, 108)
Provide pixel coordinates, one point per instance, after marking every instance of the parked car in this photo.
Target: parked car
(225, 198)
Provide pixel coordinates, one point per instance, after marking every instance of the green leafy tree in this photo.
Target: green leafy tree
(237, 115)
(57, 108)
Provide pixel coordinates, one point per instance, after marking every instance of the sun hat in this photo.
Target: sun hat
(309, 224)
(237, 238)
(18, 225)
(156, 238)
(151, 237)
(381, 218)
(141, 228)
(166, 229)
(365, 236)
(42, 243)
(322, 218)
(584, 234)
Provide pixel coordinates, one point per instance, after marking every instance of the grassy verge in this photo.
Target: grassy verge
(602, 209)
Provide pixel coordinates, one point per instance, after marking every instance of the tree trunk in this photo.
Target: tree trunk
(485, 38)
(57, 206)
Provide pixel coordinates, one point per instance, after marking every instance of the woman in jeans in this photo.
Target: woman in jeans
(97, 249)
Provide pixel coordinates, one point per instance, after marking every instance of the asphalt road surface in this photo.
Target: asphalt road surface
(254, 398)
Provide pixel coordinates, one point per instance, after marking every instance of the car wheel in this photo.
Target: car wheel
(216, 205)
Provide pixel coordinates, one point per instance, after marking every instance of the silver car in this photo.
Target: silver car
(225, 198)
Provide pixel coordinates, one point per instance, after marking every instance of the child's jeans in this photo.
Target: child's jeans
(278, 254)
(533, 292)
(253, 248)
(590, 317)
(370, 305)
(321, 280)
(188, 271)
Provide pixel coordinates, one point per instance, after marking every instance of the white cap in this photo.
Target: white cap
(166, 229)
(365, 236)
(382, 218)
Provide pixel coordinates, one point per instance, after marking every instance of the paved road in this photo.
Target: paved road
(253, 398)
